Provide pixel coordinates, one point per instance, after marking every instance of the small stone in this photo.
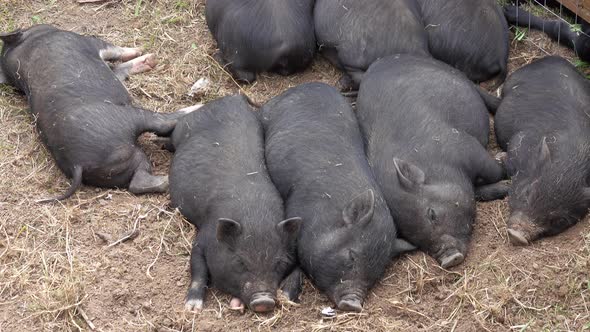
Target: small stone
(200, 87)
(328, 312)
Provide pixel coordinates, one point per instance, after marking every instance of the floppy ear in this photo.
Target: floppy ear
(290, 227)
(228, 231)
(11, 37)
(409, 175)
(586, 193)
(360, 210)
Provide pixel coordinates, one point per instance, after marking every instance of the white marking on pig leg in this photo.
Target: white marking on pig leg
(194, 305)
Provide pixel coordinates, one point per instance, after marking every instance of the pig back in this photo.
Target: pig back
(218, 169)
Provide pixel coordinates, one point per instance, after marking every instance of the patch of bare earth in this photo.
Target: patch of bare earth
(61, 267)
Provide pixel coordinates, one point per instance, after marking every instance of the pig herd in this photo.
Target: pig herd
(312, 184)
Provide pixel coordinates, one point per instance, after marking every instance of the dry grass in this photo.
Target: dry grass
(59, 270)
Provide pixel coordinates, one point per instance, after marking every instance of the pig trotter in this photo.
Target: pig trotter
(492, 192)
(451, 260)
(138, 65)
(293, 285)
(236, 304)
(198, 287)
(76, 182)
(143, 182)
(517, 238)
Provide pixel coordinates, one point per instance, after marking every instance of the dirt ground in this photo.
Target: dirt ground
(58, 273)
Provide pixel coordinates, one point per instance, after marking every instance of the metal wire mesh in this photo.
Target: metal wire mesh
(556, 13)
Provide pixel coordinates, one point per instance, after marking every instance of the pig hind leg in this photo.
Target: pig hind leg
(143, 181)
(489, 177)
(135, 66)
(162, 124)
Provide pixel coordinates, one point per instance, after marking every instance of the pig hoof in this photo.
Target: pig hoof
(262, 303)
(452, 260)
(143, 183)
(351, 304)
(236, 304)
(517, 238)
(194, 305)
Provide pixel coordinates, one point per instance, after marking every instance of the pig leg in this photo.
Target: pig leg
(110, 52)
(240, 75)
(293, 285)
(491, 192)
(115, 53)
(198, 287)
(162, 124)
(137, 65)
(144, 181)
(488, 170)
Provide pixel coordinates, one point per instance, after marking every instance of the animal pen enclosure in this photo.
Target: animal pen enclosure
(59, 271)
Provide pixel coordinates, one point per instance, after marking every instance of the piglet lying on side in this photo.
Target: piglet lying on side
(218, 180)
(84, 114)
(544, 125)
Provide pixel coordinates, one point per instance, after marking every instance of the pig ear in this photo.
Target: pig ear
(11, 37)
(545, 154)
(290, 227)
(409, 175)
(360, 210)
(228, 231)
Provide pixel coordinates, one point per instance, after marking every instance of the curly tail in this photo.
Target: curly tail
(76, 183)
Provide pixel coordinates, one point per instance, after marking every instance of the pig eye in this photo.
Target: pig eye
(241, 265)
(282, 265)
(431, 214)
(352, 255)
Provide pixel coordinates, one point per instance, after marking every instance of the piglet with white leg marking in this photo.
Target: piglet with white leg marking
(84, 114)
(218, 180)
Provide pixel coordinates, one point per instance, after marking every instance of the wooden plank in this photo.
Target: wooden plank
(580, 7)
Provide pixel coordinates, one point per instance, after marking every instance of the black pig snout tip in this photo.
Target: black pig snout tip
(350, 303)
(262, 302)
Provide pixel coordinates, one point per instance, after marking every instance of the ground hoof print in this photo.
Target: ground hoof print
(517, 238)
(262, 303)
(195, 305)
(352, 304)
(451, 260)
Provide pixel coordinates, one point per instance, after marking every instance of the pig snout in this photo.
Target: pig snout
(350, 302)
(521, 229)
(262, 302)
(349, 299)
(450, 252)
